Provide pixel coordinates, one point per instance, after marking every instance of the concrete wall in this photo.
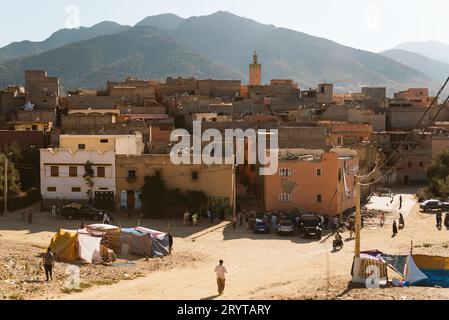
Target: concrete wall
(405, 118)
(121, 144)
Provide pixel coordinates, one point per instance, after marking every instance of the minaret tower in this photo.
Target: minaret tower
(255, 72)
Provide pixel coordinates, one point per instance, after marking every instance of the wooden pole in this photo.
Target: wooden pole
(5, 192)
(357, 219)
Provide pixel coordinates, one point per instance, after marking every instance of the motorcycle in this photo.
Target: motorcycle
(337, 245)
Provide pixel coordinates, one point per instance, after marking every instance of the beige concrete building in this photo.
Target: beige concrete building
(215, 180)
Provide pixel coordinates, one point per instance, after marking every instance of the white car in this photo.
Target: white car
(286, 227)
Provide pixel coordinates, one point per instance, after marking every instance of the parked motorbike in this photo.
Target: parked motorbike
(337, 245)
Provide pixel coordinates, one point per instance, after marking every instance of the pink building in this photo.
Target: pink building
(313, 180)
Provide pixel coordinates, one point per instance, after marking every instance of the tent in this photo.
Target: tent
(146, 242)
(424, 270)
(63, 245)
(84, 244)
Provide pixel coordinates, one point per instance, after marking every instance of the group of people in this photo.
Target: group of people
(397, 226)
(190, 219)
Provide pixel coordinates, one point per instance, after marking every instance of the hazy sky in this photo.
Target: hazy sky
(373, 25)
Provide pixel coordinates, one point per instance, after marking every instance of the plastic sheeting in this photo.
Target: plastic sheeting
(159, 245)
(414, 274)
(89, 248)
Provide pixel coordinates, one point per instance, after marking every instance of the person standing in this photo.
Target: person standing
(274, 223)
(30, 216)
(222, 214)
(53, 211)
(395, 228)
(401, 221)
(400, 202)
(49, 262)
(439, 219)
(335, 224)
(220, 271)
(186, 218)
(106, 219)
(382, 219)
(195, 219)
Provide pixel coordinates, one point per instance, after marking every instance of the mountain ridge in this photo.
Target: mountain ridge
(224, 43)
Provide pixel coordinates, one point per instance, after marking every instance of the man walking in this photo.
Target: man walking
(49, 261)
(220, 270)
(400, 202)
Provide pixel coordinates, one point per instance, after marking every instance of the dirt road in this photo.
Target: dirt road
(264, 266)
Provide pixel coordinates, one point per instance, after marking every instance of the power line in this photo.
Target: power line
(402, 152)
(402, 142)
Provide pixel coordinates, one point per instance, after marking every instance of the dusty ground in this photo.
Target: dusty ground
(259, 266)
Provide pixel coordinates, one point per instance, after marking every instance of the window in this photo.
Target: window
(195, 175)
(82, 146)
(318, 172)
(76, 189)
(285, 172)
(339, 141)
(421, 164)
(409, 164)
(54, 171)
(51, 189)
(73, 171)
(285, 197)
(131, 174)
(101, 172)
(104, 141)
(319, 198)
(34, 127)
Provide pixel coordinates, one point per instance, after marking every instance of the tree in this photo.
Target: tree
(196, 199)
(13, 177)
(153, 194)
(438, 175)
(89, 176)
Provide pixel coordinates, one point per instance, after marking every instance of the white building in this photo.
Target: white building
(130, 144)
(62, 176)
(63, 169)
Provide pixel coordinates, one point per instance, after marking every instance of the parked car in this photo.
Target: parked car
(286, 226)
(433, 204)
(80, 211)
(310, 225)
(261, 226)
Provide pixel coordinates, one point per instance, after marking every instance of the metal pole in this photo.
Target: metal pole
(357, 218)
(5, 191)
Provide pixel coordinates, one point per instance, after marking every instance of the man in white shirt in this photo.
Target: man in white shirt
(220, 270)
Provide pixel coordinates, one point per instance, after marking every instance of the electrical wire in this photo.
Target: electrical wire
(402, 142)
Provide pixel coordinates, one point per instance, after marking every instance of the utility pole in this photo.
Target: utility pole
(357, 218)
(5, 191)
(234, 207)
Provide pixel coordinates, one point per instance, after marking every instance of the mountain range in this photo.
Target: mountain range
(219, 45)
(435, 69)
(435, 50)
